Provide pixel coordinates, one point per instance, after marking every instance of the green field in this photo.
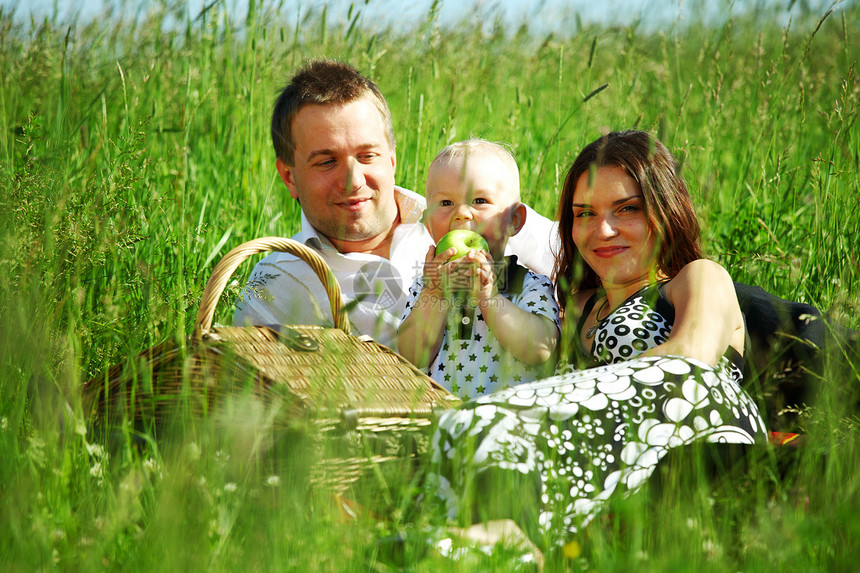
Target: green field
(135, 153)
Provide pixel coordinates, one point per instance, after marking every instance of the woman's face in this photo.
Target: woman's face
(610, 229)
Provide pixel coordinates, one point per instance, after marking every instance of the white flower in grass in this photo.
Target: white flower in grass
(97, 471)
(230, 487)
(152, 468)
(273, 481)
(712, 549)
(194, 451)
(80, 428)
(36, 451)
(4, 423)
(97, 451)
(445, 546)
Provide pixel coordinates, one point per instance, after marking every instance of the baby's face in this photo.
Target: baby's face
(475, 193)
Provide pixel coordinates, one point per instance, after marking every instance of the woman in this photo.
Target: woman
(662, 328)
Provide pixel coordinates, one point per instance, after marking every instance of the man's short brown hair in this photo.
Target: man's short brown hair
(322, 82)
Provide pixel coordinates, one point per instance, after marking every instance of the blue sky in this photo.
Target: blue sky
(547, 15)
(409, 11)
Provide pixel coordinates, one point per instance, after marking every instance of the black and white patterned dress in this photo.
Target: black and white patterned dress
(580, 437)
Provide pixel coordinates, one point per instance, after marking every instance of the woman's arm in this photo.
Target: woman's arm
(708, 318)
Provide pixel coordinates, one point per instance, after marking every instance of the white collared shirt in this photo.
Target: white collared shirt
(282, 289)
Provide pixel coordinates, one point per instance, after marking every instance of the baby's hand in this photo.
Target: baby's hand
(435, 271)
(471, 275)
(484, 283)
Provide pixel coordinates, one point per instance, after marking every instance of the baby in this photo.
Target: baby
(507, 329)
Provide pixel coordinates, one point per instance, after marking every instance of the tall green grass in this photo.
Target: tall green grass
(134, 153)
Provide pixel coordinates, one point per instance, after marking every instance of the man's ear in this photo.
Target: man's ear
(518, 218)
(286, 173)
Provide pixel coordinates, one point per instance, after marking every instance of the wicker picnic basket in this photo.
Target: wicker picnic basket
(326, 377)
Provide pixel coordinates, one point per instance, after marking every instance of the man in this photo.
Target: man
(334, 140)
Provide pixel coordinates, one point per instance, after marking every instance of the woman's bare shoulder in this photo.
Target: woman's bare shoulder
(701, 274)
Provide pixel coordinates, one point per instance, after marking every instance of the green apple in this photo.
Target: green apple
(464, 241)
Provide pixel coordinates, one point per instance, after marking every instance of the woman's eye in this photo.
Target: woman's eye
(583, 214)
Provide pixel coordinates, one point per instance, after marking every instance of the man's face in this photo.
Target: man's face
(343, 172)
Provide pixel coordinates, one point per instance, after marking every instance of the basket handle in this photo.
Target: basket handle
(225, 267)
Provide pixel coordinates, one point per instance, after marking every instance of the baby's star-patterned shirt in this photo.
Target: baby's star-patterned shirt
(470, 361)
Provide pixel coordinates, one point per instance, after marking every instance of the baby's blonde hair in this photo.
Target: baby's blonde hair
(480, 147)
